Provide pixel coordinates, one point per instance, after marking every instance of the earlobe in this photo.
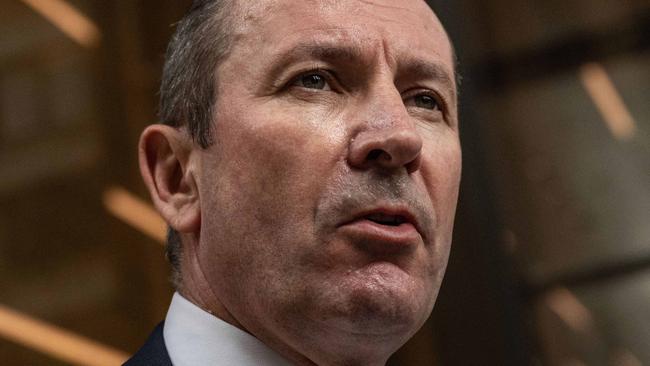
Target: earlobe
(165, 164)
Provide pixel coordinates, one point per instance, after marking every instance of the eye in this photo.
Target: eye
(312, 80)
(426, 101)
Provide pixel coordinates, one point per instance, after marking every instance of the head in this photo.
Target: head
(317, 212)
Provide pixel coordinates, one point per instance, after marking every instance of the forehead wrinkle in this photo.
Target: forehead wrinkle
(369, 2)
(413, 67)
(425, 15)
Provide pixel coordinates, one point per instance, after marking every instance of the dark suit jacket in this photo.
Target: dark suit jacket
(153, 353)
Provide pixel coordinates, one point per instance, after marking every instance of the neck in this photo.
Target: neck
(319, 347)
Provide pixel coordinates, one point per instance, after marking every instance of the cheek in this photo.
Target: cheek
(441, 171)
(265, 173)
(262, 180)
(274, 167)
(275, 152)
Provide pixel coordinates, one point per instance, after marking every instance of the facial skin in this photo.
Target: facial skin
(327, 111)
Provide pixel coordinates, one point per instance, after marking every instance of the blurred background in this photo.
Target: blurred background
(551, 257)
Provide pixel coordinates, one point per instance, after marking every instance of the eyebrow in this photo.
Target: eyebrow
(330, 51)
(327, 51)
(421, 69)
(414, 68)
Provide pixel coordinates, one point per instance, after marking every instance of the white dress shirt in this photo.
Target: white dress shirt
(195, 337)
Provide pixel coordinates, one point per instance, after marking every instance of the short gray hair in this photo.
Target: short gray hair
(188, 89)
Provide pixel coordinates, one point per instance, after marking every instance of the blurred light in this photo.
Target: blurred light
(608, 101)
(69, 20)
(135, 212)
(563, 303)
(56, 342)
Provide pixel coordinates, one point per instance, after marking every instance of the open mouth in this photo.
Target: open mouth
(385, 219)
(383, 231)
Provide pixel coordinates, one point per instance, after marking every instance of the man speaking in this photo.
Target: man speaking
(308, 168)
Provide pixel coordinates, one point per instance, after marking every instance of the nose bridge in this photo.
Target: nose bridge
(386, 137)
(386, 109)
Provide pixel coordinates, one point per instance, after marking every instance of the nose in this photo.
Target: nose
(389, 145)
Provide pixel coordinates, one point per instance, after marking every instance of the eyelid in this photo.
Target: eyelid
(442, 103)
(296, 75)
(328, 75)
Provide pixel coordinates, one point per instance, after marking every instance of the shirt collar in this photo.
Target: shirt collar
(195, 337)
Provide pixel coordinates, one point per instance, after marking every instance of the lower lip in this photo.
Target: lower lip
(403, 234)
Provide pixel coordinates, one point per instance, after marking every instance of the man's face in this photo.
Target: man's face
(328, 197)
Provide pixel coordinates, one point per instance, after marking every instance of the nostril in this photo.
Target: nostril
(387, 149)
(374, 154)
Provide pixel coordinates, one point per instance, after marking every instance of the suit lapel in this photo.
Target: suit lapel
(153, 352)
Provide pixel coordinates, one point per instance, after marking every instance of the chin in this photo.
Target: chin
(383, 307)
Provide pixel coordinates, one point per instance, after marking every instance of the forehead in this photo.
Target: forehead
(400, 28)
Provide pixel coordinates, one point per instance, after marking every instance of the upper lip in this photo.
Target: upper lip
(401, 213)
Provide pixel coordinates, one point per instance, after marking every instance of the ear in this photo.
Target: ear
(165, 164)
